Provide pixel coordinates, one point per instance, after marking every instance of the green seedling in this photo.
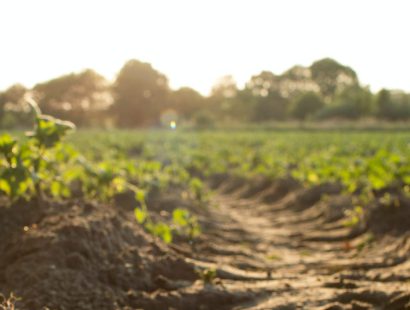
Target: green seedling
(207, 276)
(28, 164)
(186, 224)
(367, 241)
(354, 217)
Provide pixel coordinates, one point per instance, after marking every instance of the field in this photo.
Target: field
(173, 219)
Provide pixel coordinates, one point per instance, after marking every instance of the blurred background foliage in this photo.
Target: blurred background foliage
(140, 96)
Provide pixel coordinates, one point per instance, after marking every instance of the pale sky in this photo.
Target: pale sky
(196, 42)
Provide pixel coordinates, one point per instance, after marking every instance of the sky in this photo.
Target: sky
(196, 42)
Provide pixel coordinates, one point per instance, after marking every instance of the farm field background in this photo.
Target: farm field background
(156, 219)
(172, 155)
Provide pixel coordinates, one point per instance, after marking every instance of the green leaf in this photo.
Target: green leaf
(140, 196)
(7, 143)
(180, 217)
(56, 189)
(141, 215)
(163, 231)
(5, 187)
(49, 130)
(313, 177)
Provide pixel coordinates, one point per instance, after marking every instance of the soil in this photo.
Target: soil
(272, 244)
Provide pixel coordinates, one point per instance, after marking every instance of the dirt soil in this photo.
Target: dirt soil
(273, 245)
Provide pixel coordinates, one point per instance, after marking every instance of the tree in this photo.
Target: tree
(12, 98)
(351, 103)
(297, 81)
(225, 87)
(384, 103)
(140, 92)
(186, 101)
(79, 97)
(264, 83)
(393, 105)
(222, 100)
(13, 109)
(331, 76)
(355, 102)
(271, 107)
(268, 102)
(306, 105)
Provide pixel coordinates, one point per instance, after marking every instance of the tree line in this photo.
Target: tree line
(140, 96)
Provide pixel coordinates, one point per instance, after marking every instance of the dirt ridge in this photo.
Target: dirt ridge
(272, 244)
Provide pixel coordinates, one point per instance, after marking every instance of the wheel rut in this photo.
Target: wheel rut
(295, 258)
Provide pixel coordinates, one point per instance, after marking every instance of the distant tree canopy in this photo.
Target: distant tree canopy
(296, 81)
(140, 96)
(186, 102)
(262, 84)
(393, 105)
(78, 97)
(13, 109)
(11, 98)
(273, 106)
(140, 93)
(267, 99)
(222, 101)
(331, 76)
(306, 105)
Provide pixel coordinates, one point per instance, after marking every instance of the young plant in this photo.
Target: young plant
(28, 164)
(186, 224)
(207, 276)
(15, 179)
(8, 303)
(354, 217)
(143, 217)
(196, 187)
(369, 239)
(183, 222)
(48, 132)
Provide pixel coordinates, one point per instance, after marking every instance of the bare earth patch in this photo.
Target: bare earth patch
(271, 246)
